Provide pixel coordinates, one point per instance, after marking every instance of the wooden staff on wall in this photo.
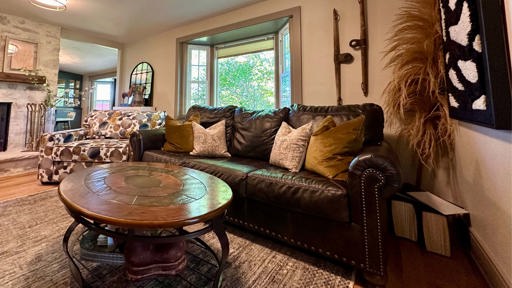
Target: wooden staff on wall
(339, 58)
(362, 45)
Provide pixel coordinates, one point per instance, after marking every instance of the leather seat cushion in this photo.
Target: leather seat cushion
(304, 192)
(232, 170)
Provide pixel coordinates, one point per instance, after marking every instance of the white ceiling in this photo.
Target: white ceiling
(120, 21)
(86, 58)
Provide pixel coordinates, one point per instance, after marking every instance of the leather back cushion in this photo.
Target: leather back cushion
(255, 132)
(374, 117)
(211, 115)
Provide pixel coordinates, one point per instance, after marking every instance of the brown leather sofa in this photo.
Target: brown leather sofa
(342, 220)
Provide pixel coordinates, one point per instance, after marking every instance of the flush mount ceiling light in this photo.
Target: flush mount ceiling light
(55, 5)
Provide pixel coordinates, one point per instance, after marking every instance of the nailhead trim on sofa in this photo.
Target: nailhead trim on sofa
(291, 240)
(380, 248)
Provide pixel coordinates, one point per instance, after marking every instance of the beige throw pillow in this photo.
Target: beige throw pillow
(290, 146)
(210, 142)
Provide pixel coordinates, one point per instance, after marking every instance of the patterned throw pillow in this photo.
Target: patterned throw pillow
(179, 137)
(290, 145)
(332, 147)
(210, 142)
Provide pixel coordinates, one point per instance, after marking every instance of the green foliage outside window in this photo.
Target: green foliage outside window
(247, 81)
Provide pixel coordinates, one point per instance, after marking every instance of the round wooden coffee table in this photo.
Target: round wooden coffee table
(131, 201)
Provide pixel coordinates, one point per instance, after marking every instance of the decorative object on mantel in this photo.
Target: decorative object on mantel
(20, 55)
(361, 44)
(339, 58)
(35, 79)
(477, 62)
(415, 101)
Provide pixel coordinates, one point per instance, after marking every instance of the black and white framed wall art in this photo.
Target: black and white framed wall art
(477, 62)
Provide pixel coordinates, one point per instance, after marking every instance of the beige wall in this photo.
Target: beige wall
(480, 179)
(317, 45)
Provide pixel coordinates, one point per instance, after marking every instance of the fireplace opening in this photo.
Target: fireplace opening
(5, 115)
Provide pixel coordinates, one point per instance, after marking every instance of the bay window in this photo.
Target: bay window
(255, 65)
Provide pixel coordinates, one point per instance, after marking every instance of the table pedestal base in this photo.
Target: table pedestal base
(154, 256)
(144, 260)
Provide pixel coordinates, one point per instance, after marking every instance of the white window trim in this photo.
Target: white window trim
(188, 79)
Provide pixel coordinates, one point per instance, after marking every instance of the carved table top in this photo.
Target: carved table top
(144, 195)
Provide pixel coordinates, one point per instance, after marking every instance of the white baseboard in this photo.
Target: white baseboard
(494, 277)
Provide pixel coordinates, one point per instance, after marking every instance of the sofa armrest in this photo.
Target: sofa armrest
(374, 175)
(148, 139)
(373, 165)
(48, 139)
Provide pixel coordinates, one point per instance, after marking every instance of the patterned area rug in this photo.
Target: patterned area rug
(31, 256)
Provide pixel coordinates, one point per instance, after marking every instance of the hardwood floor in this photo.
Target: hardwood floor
(20, 185)
(409, 265)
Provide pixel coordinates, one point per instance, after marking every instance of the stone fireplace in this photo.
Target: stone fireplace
(14, 98)
(18, 95)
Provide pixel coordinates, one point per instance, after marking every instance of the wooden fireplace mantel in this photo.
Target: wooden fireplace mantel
(21, 78)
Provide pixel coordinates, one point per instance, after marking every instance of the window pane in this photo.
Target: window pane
(197, 94)
(103, 91)
(202, 73)
(247, 81)
(195, 57)
(194, 73)
(103, 95)
(202, 57)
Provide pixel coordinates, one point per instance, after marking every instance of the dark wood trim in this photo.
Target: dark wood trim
(21, 78)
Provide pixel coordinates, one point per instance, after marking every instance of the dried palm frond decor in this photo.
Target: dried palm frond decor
(415, 100)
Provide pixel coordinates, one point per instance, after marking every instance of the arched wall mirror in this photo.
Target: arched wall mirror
(142, 76)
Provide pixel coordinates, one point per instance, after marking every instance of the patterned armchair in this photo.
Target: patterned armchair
(103, 139)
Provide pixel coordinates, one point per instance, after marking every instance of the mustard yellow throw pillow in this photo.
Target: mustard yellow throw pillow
(179, 136)
(332, 148)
